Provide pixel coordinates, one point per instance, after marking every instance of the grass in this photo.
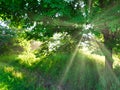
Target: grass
(11, 78)
(14, 75)
(26, 72)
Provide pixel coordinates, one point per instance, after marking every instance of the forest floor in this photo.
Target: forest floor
(86, 73)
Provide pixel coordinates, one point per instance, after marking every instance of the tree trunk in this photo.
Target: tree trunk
(108, 59)
(108, 51)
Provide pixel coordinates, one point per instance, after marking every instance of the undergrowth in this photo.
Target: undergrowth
(26, 72)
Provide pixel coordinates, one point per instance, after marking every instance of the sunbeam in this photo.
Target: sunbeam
(69, 65)
(108, 75)
(55, 22)
(107, 12)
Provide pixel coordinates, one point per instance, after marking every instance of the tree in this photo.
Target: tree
(42, 18)
(55, 15)
(109, 29)
(6, 38)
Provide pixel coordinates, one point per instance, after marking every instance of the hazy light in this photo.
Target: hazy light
(57, 35)
(69, 65)
(39, 1)
(10, 69)
(88, 26)
(53, 45)
(110, 71)
(76, 5)
(56, 41)
(32, 27)
(68, 1)
(3, 24)
(35, 44)
(57, 14)
(3, 32)
(84, 14)
(27, 4)
(81, 4)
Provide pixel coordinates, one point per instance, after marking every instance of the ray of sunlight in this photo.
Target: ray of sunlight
(110, 73)
(69, 65)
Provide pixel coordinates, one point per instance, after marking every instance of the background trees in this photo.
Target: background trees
(60, 26)
(42, 18)
(108, 27)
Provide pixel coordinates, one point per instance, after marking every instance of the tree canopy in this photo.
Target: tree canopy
(46, 36)
(40, 19)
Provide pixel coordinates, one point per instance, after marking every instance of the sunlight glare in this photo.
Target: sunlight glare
(10, 69)
(110, 71)
(69, 65)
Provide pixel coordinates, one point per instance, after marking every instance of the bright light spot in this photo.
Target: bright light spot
(25, 16)
(32, 27)
(57, 35)
(81, 4)
(68, 1)
(27, 58)
(27, 4)
(3, 32)
(84, 14)
(76, 5)
(3, 24)
(35, 44)
(76, 25)
(56, 41)
(44, 28)
(41, 34)
(90, 35)
(8, 69)
(88, 26)
(57, 14)
(13, 72)
(53, 45)
(17, 74)
(39, 1)
(85, 47)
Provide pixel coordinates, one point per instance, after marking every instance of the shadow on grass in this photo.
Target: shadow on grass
(17, 76)
(85, 74)
(11, 80)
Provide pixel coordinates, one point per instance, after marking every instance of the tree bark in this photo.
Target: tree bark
(108, 57)
(108, 49)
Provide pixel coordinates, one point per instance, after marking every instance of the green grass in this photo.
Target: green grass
(26, 72)
(14, 75)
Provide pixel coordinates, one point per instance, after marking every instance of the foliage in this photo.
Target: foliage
(106, 25)
(6, 39)
(12, 39)
(59, 42)
(59, 25)
(27, 59)
(85, 70)
(26, 13)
